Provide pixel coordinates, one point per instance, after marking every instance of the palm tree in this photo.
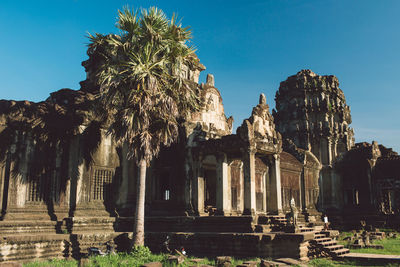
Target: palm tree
(138, 72)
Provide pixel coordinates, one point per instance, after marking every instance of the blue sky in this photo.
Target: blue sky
(249, 46)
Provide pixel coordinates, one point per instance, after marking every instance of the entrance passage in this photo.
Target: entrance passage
(210, 192)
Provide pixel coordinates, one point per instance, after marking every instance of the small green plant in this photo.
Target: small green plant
(141, 252)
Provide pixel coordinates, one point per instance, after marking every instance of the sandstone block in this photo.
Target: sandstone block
(223, 261)
(175, 260)
(10, 264)
(266, 263)
(152, 264)
(250, 263)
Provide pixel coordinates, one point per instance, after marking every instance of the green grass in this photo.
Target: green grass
(123, 259)
(142, 255)
(53, 263)
(323, 262)
(139, 256)
(391, 246)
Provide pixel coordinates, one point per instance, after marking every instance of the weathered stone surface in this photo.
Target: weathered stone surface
(311, 111)
(72, 178)
(268, 263)
(152, 264)
(223, 261)
(175, 259)
(251, 263)
(10, 264)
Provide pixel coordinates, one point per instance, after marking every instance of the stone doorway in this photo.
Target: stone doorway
(210, 190)
(261, 186)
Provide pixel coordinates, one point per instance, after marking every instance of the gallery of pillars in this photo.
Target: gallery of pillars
(229, 185)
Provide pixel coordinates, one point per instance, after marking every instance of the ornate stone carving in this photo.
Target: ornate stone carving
(310, 107)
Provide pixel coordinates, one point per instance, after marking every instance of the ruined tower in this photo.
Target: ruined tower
(311, 112)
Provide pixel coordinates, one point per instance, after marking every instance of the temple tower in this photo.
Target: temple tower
(311, 111)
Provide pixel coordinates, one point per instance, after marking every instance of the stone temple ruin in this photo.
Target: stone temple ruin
(65, 185)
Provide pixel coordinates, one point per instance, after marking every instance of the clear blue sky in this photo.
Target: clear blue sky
(249, 46)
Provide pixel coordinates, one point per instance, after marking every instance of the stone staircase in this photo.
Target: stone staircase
(324, 241)
(270, 223)
(327, 244)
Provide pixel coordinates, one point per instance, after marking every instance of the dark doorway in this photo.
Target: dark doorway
(210, 192)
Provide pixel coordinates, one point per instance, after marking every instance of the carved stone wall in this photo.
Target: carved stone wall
(311, 111)
(371, 179)
(291, 170)
(211, 118)
(236, 177)
(261, 179)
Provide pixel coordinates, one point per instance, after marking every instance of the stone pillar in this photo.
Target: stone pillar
(75, 167)
(122, 198)
(223, 201)
(265, 196)
(249, 183)
(276, 189)
(198, 189)
(303, 203)
(330, 156)
(4, 185)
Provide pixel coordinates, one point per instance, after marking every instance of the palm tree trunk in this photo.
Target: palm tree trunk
(138, 237)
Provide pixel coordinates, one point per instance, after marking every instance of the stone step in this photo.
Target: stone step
(334, 247)
(27, 247)
(319, 236)
(320, 240)
(26, 257)
(328, 243)
(74, 224)
(24, 216)
(306, 229)
(262, 228)
(14, 227)
(88, 228)
(341, 251)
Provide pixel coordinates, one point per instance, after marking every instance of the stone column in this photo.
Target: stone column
(198, 188)
(264, 179)
(276, 189)
(4, 185)
(249, 183)
(223, 201)
(122, 198)
(303, 203)
(330, 156)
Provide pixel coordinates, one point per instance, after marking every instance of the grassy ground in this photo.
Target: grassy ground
(391, 245)
(142, 255)
(322, 262)
(123, 260)
(129, 260)
(138, 257)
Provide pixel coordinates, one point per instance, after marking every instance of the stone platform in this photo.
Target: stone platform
(372, 259)
(271, 245)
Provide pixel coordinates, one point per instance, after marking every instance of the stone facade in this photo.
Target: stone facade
(61, 174)
(311, 111)
(371, 179)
